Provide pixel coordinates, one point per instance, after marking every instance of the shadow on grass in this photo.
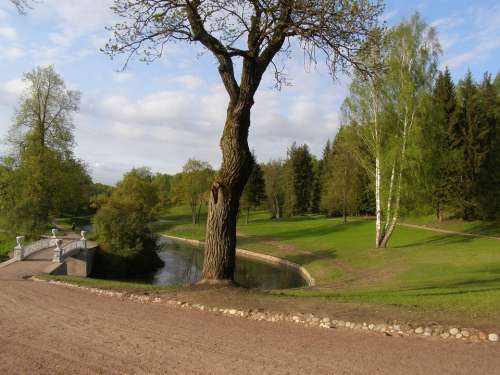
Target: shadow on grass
(311, 232)
(439, 239)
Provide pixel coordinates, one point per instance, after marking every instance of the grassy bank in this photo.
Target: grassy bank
(109, 284)
(421, 269)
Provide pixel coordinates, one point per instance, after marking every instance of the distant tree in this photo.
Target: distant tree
(251, 34)
(274, 177)
(317, 185)
(122, 225)
(193, 185)
(100, 194)
(345, 185)
(488, 181)
(163, 183)
(254, 193)
(440, 166)
(48, 179)
(44, 117)
(473, 135)
(299, 180)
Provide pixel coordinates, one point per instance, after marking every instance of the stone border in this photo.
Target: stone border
(257, 256)
(8, 262)
(395, 328)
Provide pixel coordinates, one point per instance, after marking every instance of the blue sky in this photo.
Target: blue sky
(161, 114)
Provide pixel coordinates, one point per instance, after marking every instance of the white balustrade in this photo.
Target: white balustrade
(19, 249)
(58, 251)
(61, 251)
(37, 246)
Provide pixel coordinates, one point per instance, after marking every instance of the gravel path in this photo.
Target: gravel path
(446, 231)
(51, 329)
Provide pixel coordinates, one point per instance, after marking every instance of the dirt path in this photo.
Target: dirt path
(50, 329)
(446, 231)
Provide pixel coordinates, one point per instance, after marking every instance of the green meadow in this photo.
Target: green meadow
(421, 269)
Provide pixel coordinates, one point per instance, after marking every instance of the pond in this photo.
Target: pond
(184, 263)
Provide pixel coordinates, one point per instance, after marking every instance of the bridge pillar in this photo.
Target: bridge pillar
(58, 251)
(19, 249)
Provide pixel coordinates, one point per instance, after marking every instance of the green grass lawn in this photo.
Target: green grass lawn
(109, 284)
(421, 269)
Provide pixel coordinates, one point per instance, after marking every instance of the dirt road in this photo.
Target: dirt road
(52, 329)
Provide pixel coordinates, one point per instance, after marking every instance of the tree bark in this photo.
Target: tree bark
(237, 162)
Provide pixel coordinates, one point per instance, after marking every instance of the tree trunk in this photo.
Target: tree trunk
(193, 212)
(198, 214)
(248, 214)
(226, 190)
(378, 207)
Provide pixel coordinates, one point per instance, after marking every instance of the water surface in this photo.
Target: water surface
(184, 263)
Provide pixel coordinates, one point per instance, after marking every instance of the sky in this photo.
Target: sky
(160, 114)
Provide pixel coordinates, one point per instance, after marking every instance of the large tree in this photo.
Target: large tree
(44, 117)
(48, 179)
(249, 34)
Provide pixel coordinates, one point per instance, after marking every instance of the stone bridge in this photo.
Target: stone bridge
(61, 255)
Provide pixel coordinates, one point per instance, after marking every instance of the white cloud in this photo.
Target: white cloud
(7, 32)
(13, 53)
(10, 91)
(446, 23)
(481, 40)
(122, 76)
(190, 82)
(75, 18)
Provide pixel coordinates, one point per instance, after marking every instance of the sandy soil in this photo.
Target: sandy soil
(51, 329)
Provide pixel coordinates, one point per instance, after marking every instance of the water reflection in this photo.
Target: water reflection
(184, 262)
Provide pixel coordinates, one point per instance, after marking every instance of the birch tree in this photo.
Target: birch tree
(385, 111)
(248, 37)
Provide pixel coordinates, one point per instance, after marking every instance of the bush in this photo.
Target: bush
(128, 246)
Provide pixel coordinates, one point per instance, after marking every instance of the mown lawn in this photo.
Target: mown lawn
(109, 284)
(421, 269)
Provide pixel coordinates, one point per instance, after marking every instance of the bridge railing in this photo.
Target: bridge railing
(38, 245)
(22, 252)
(60, 252)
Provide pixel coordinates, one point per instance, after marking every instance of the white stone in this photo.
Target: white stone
(454, 331)
(493, 337)
(419, 330)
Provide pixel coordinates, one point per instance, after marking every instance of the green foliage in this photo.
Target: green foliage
(254, 193)
(439, 168)
(346, 183)
(163, 184)
(274, 178)
(122, 228)
(299, 180)
(42, 179)
(474, 135)
(192, 185)
(99, 195)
